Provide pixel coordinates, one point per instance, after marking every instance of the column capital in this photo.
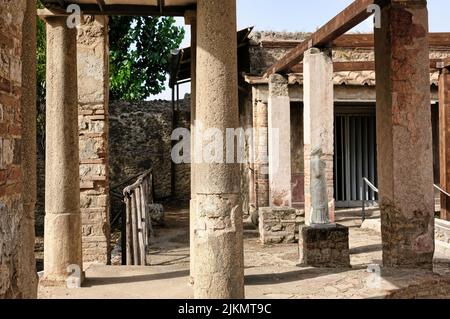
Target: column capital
(45, 14)
(278, 85)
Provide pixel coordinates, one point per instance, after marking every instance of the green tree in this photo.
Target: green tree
(139, 55)
(40, 80)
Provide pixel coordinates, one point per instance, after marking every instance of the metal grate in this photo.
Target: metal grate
(355, 158)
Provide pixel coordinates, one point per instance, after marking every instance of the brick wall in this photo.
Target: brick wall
(17, 276)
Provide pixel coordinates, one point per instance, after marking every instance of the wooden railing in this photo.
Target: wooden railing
(137, 197)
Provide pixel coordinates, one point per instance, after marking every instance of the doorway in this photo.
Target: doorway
(355, 155)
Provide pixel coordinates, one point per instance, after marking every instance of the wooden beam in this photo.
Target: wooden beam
(101, 4)
(357, 66)
(436, 39)
(122, 9)
(350, 17)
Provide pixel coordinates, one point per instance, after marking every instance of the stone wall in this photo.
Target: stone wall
(93, 90)
(17, 269)
(140, 139)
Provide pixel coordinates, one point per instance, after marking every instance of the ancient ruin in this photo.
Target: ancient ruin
(318, 164)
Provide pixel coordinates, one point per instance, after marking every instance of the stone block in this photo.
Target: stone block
(278, 225)
(324, 246)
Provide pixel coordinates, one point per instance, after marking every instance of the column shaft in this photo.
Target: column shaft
(193, 23)
(62, 186)
(260, 142)
(404, 135)
(93, 102)
(28, 282)
(219, 272)
(279, 123)
(444, 140)
(318, 121)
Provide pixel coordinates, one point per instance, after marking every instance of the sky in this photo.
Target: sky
(305, 16)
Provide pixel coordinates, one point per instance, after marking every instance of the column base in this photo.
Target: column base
(62, 281)
(278, 225)
(324, 246)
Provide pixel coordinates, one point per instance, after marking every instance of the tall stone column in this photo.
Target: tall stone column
(62, 241)
(318, 121)
(261, 150)
(444, 140)
(93, 102)
(191, 19)
(321, 242)
(28, 281)
(279, 119)
(219, 266)
(404, 136)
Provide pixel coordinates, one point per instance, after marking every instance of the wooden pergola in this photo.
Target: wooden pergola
(125, 7)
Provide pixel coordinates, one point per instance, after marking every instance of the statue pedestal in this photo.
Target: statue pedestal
(324, 246)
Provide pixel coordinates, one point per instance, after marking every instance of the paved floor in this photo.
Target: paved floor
(270, 272)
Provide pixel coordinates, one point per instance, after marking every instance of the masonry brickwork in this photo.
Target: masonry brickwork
(93, 90)
(17, 270)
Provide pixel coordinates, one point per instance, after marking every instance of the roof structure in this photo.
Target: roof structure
(180, 69)
(125, 7)
(353, 56)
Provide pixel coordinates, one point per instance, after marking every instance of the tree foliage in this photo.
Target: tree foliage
(139, 55)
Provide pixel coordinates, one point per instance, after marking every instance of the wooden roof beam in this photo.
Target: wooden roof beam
(346, 20)
(358, 66)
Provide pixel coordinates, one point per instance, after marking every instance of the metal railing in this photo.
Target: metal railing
(366, 183)
(441, 190)
(137, 198)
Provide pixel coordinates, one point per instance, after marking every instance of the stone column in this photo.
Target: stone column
(62, 243)
(444, 140)
(219, 272)
(323, 243)
(191, 19)
(261, 150)
(318, 121)
(404, 136)
(28, 281)
(93, 100)
(279, 119)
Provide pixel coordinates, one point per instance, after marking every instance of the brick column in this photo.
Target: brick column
(219, 256)
(279, 119)
(444, 139)
(62, 240)
(404, 137)
(18, 278)
(93, 90)
(318, 120)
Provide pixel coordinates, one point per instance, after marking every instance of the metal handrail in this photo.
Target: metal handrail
(366, 183)
(441, 190)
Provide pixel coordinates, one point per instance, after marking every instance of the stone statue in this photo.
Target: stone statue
(319, 196)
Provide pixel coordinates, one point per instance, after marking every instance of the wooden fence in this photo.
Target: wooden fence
(137, 198)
